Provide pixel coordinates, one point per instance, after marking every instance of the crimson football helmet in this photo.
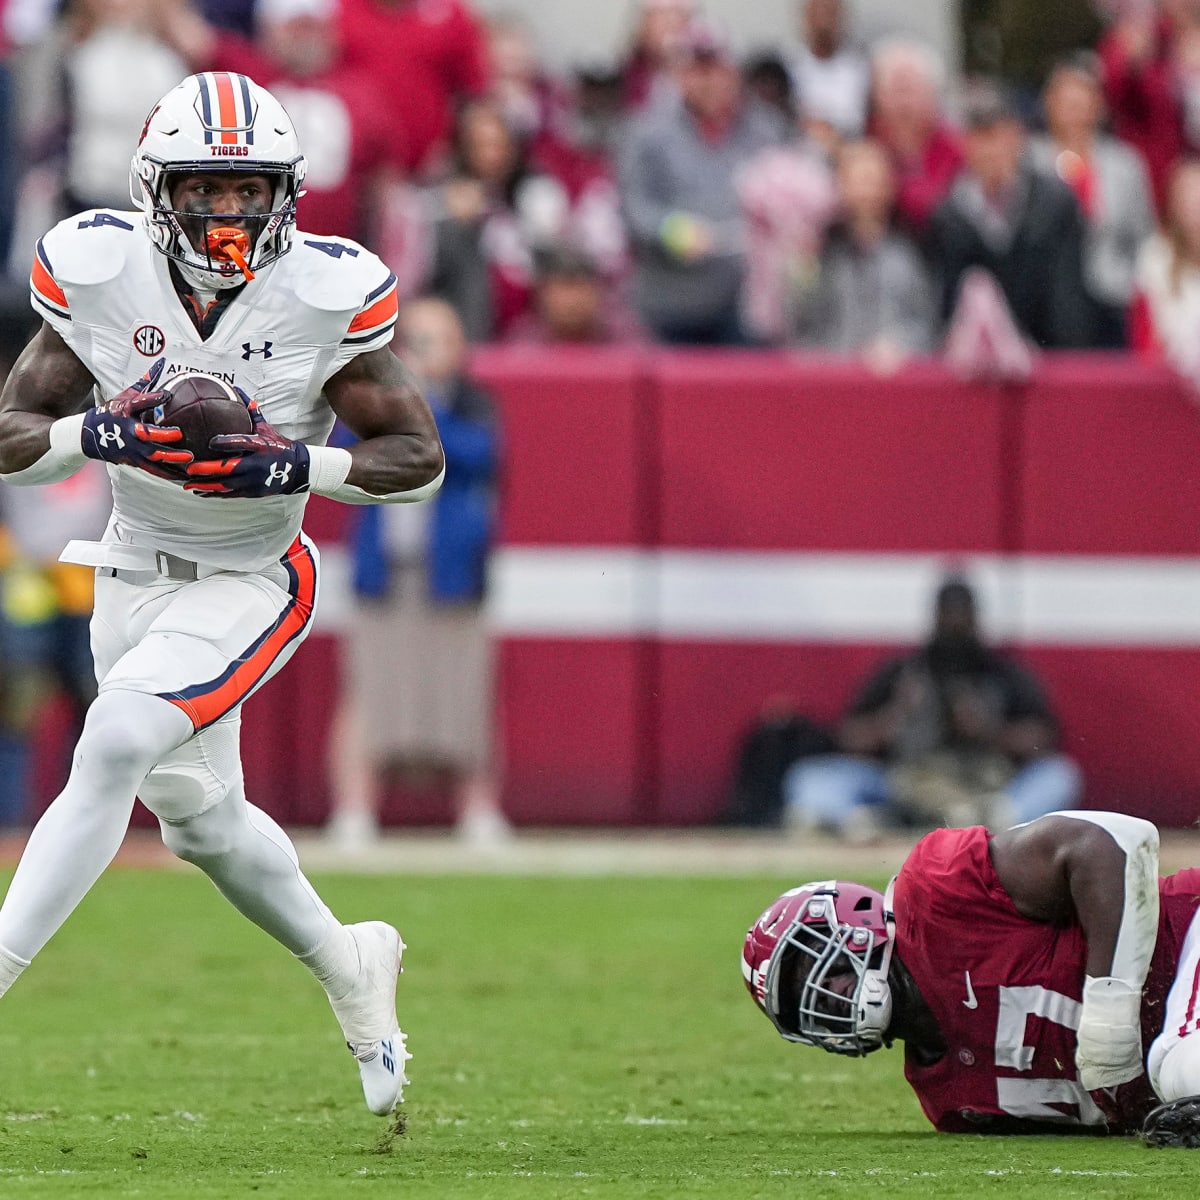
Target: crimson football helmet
(816, 962)
(218, 121)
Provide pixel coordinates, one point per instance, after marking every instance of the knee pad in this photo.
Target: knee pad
(181, 791)
(201, 773)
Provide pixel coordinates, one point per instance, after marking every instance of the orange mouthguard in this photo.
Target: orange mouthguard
(229, 243)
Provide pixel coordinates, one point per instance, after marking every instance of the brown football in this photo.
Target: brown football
(202, 406)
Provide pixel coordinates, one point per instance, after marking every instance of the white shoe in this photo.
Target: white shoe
(367, 1015)
(381, 1069)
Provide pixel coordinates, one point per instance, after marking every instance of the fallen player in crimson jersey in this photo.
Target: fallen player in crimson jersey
(1024, 972)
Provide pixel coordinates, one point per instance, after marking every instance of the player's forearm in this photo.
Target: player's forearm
(37, 449)
(46, 385)
(396, 468)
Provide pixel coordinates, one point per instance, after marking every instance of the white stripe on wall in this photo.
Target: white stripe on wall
(620, 592)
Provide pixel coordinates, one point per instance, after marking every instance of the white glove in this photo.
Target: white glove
(1109, 1051)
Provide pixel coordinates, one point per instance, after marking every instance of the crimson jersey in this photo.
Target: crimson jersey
(1007, 991)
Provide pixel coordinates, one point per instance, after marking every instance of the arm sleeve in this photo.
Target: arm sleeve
(917, 316)
(470, 70)
(1139, 918)
(1024, 695)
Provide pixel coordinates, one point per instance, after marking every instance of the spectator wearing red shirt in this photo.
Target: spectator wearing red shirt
(297, 55)
(1151, 66)
(907, 121)
(423, 56)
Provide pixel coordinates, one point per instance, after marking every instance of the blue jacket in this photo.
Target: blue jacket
(463, 520)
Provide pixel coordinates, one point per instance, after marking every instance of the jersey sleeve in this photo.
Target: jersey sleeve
(373, 323)
(45, 293)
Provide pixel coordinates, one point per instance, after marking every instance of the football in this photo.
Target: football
(202, 406)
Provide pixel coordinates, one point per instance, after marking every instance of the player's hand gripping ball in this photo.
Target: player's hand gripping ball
(262, 463)
(201, 407)
(123, 431)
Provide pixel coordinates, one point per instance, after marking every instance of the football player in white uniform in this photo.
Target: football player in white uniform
(205, 581)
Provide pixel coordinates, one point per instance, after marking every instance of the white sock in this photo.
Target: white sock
(335, 962)
(10, 967)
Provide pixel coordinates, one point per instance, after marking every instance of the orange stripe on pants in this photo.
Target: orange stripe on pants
(205, 707)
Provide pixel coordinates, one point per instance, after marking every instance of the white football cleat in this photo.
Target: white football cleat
(367, 1015)
(381, 1069)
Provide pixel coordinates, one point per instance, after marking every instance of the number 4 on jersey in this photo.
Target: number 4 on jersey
(333, 249)
(101, 219)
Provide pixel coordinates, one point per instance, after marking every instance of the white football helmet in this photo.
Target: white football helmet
(218, 121)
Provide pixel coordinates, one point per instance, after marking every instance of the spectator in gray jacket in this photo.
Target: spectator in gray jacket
(871, 293)
(1110, 182)
(676, 176)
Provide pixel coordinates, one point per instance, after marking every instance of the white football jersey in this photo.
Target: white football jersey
(104, 287)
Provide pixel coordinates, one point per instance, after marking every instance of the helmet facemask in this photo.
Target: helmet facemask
(827, 981)
(188, 239)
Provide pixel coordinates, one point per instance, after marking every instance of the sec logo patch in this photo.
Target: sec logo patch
(149, 340)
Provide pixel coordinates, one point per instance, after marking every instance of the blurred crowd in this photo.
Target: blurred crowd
(839, 197)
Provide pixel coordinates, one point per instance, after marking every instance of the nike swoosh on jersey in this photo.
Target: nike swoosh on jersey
(970, 1001)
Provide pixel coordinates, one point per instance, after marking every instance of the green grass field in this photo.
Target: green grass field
(572, 1037)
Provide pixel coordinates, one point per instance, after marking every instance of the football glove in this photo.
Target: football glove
(114, 432)
(264, 462)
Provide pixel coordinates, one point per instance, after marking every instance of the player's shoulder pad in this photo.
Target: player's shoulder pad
(90, 247)
(334, 274)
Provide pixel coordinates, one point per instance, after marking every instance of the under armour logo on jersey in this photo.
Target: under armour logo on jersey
(278, 474)
(108, 435)
(264, 350)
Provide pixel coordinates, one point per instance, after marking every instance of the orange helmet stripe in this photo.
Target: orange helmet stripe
(226, 106)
